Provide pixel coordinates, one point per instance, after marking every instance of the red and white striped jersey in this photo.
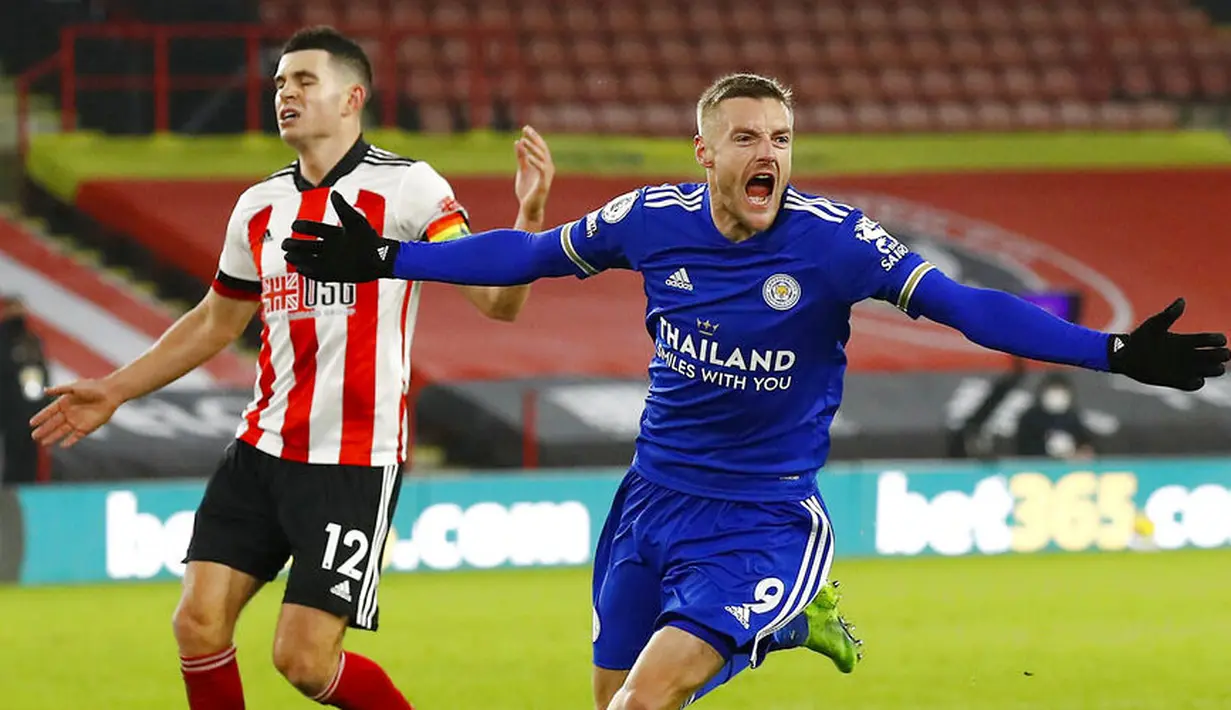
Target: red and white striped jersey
(334, 365)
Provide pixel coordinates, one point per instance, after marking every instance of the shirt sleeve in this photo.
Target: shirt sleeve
(600, 240)
(428, 210)
(238, 276)
(878, 265)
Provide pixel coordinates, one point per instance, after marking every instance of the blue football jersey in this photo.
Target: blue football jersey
(749, 338)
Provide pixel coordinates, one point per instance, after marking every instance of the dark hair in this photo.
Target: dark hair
(743, 86)
(340, 47)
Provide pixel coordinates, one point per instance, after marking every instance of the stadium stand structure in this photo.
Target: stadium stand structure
(872, 66)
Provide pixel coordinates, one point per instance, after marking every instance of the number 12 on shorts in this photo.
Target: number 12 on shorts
(353, 540)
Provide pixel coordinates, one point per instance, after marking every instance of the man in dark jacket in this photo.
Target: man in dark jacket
(23, 376)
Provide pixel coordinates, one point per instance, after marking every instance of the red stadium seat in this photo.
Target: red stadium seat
(1034, 116)
(938, 85)
(686, 82)
(994, 19)
(580, 18)
(1076, 115)
(979, 84)
(1114, 115)
(759, 53)
(621, 19)
(913, 117)
(897, 85)
(424, 85)
(1176, 81)
(1019, 83)
(965, 51)
(1058, 83)
(925, 51)
(1214, 81)
(788, 17)
(435, 118)
(659, 119)
(993, 116)
(318, 13)
(857, 85)
(643, 84)
(546, 52)
(536, 17)
(406, 15)
(802, 52)
(362, 15)
(664, 19)
(674, 52)
(871, 118)
(600, 85)
(749, 18)
(871, 20)
(1045, 49)
(556, 85)
(1156, 115)
(913, 20)
(831, 20)
(618, 118)
(953, 116)
(494, 14)
(812, 86)
(1136, 81)
(450, 15)
(589, 52)
(1007, 50)
(841, 52)
(706, 19)
(884, 51)
(632, 51)
(824, 118)
(955, 19)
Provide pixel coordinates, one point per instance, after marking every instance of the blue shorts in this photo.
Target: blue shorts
(728, 572)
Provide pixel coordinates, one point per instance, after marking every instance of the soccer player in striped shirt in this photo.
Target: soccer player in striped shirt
(717, 548)
(315, 470)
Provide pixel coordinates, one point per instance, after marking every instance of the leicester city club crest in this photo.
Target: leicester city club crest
(781, 292)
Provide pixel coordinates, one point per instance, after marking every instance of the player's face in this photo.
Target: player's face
(314, 96)
(746, 148)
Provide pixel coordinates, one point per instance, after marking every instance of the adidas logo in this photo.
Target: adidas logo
(383, 252)
(341, 590)
(680, 280)
(1117, 345)
(740, 613)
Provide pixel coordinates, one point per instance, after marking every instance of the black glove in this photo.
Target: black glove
(1153, 355)
(350, 253)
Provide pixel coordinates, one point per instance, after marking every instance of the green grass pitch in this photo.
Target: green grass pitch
(1113, 631)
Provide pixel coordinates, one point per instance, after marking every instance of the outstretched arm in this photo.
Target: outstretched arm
(353, 251)
(1150, 354)
(1004, 322)
(500, 257)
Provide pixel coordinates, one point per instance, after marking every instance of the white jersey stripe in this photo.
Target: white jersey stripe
(815, 211)
(366, 608)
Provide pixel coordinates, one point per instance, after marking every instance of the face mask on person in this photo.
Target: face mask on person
(1055, 400)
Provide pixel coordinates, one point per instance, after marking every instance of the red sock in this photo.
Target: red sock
(360, 684)
(213, 681)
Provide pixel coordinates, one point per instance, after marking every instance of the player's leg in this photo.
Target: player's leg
(236, 547)
(626, 593)
(337, 518)
(673, 665)
(742, 575)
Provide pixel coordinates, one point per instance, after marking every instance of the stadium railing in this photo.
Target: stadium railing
(490, 49)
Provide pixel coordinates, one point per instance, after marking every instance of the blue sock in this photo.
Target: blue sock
(792, 635)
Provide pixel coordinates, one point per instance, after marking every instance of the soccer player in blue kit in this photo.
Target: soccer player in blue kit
(717, 548)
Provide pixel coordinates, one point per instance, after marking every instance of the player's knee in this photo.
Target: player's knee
(199, 629)
(306, 669)
(647, 698)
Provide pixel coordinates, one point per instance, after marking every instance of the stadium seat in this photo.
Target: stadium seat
(965, 51)
(643, 84)
(618, 117)
(938, 85)
(1059, 83)
(450, 15)
(600, 86)
(993, 116)
(979, 84)
(1076, 115)
(824, 118)
(954, 116)
(871, 118)
(403, 15)
(1135, 81)
(841, 52)
(589, 53)
(857, 85)
(493, 14)
(1214, 81)
(955, 19)
(1114, 115)
(897, 85)
(1176, 81)
(621, 19)
(556, 85)
(1034, 116)
(435, 118)
(912, 117)
(1156, 115)
(1019, 83)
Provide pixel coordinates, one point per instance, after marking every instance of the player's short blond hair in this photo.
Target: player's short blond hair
(742, 86)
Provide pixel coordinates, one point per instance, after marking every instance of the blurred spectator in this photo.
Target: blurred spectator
(1052, 427)
(23, 376)
(970, 437)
